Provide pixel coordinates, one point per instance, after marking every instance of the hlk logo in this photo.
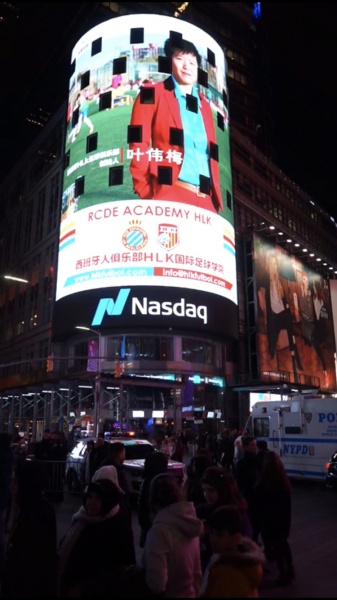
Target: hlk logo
(111, 307)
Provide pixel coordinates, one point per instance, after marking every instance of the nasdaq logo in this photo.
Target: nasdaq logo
(179, 309)
(113, 308)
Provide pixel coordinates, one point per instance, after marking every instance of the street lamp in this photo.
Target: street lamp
(13, 278)
(98, 383)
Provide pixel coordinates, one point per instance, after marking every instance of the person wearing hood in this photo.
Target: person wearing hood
(155, 463)
(110, 472)
(98, 546)
(171, 556)
(235, 569)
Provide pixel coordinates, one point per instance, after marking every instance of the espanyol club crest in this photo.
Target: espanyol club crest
(308, 417)
(135, 238)
(168, 236)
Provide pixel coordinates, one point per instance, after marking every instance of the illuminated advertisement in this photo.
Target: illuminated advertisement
(294, 320)
(264, 397)
(333, 294)
(147, 223)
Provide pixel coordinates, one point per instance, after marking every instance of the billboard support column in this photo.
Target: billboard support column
(127, 416)
(97, 408)
(35, 407)
(177, 409)
(121, 412)
(11, 416)
(98, 386)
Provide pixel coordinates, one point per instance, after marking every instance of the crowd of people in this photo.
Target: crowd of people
(212, 536)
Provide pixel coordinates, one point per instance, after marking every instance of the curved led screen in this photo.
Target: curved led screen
(147, 225)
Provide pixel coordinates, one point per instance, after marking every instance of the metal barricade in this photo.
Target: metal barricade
(54, 475)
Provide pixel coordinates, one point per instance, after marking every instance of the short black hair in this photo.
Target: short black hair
(246, 439)
(165, 490)
(5, 439)
(117, 446)
(226, 518)
(155, 463)
(184, 46)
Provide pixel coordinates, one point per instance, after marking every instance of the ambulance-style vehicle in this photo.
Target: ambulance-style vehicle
(302, 430)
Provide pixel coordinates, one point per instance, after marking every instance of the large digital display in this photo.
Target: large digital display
(293, 318)
(147, 224)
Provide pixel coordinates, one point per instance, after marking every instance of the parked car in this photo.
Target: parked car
(136, 450)
(331, 477)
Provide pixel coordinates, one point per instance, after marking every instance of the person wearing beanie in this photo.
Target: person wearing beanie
(98, 546)
(220, 489)
(235, 569)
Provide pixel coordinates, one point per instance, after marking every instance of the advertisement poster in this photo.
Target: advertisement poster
(294, 319)
(147, 197)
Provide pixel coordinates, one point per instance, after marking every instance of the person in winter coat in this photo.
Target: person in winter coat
(171, 555)
(272, 501)
(98, 546)
(235, 569)
(155, 463)
(246, 473)
(110, 472)
(193, 483)
(220, 489)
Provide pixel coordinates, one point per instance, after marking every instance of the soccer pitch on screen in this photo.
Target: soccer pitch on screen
(111, 126)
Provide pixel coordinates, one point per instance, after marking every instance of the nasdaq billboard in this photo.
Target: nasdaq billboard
(147, 219)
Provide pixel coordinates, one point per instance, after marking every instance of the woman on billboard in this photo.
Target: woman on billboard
(275, 307)
(176, 155)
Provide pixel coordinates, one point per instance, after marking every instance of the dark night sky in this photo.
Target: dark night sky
(302, 44)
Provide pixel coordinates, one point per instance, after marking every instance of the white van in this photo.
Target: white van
(303, 432)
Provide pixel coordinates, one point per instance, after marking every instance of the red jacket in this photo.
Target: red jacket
(156, 120)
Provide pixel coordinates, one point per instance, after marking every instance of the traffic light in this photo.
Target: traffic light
(50, 363)
(117, 369)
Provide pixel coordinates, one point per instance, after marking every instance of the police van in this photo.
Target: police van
(302, 430)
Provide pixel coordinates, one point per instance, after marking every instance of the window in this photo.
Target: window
(131, 347)
(197, 351)
(293, 430)
(40, 215)
(43, 352)
(34, 293)
(53, 202)
(261, 427)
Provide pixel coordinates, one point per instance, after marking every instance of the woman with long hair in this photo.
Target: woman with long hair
(272, 503)
(98, 546)
(220, 489)
(319, 335)
(275, 306)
